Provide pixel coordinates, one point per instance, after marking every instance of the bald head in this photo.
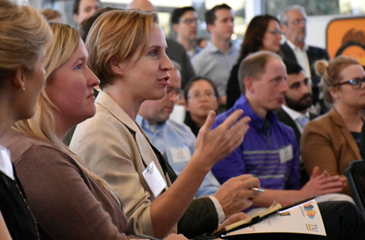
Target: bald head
(143, 5)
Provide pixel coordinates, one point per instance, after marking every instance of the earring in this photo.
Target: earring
(23, 89)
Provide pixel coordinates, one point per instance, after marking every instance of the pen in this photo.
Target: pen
(260, 190)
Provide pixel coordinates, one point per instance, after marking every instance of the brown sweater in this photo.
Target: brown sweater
(66, 201)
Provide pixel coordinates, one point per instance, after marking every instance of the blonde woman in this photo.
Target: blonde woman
(127, 53)
(23, 37)
(332, 141)
(68, 200)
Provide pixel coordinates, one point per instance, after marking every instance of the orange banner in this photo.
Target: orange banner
(346, 36)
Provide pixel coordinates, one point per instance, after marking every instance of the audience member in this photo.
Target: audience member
(184, 21)
(78, 203)
(362, 142)
(217, 58)
(21, 79)
(201, 96)
(83, 9)
(130, 60)
(202, 42)
(269, 150)
(86, 24)
(174, 140)
(295, 110)
(262, 33)
(175, 50)
(51, 14)
(332, 141)
(293, 21)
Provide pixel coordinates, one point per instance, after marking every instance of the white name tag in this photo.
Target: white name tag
(179, 155)
(286, 153)
(154, 179)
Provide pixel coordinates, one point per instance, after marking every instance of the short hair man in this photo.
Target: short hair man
(175, 140)
(269, 150)
(298, 100)
(217, 58)
(83, 9)
(175, 50)
(293, 20)
(184, 23)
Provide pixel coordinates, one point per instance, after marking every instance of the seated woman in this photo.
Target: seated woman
(201, 97)
(68, 200)
(263, 33)
(332, 141)
(23, 35)
(127, 53)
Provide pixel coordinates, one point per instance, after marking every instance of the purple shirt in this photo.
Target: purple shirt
(259, 153)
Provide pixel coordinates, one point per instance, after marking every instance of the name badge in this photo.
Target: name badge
(180, 155)
(286, 153)
(154, 179)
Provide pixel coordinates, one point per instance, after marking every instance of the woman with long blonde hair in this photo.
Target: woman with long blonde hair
(23, 36)
(68, 201)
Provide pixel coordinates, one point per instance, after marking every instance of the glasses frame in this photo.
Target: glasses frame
(353, 82)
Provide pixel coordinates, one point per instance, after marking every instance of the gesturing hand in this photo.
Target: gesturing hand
(216, 144)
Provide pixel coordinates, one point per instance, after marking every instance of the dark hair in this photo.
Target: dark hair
(210, 14)
(195, 79)
(178, 12)
(292, 67)
(76, 5)
(254, 34)
(86, 24)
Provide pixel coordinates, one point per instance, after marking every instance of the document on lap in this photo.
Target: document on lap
(304, 218)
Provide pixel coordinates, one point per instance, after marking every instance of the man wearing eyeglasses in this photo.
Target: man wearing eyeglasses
(184, 21)
(293, 21)
(174, 140)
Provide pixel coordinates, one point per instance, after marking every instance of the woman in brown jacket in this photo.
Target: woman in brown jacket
(332, 141)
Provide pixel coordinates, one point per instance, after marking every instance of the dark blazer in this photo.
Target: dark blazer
(285, 118)
(313, 54)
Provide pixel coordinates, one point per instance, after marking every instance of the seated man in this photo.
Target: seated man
(269, 150)
(176, 141)
(298, 101)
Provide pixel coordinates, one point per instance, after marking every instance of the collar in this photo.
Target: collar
(104, 100)
(294, 114)
(146, 126)
(256, 121)
(214, 49)
(294, 47)
(5, 163)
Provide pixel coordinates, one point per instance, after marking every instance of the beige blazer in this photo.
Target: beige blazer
(115, 147)
(326, 142)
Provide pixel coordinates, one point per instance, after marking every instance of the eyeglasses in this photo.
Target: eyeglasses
(198, 95)
(275, 31)
(190, 20)
(355, 83)
(170, 91)
(297, 21)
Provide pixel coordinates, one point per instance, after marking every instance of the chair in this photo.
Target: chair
(355, 174)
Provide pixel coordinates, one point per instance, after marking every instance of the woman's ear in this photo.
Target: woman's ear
(334, 92)
(18, 79)
(117, 67)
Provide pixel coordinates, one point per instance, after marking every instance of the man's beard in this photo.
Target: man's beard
(298, 105)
